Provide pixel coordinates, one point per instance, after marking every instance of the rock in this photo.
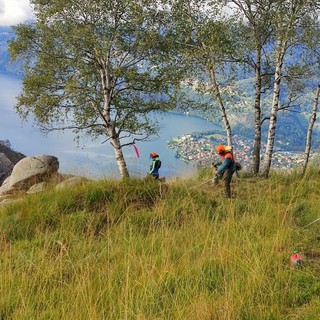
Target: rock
(6, 188)
(38, 187)
(57, 178)
(9, 200)
(8, 158)
(32, 175)
(31, 170)
(71, 182)
(13, 156)
(6, 167)
(3, 197)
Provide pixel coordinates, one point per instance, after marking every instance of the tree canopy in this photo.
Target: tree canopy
(99, 68)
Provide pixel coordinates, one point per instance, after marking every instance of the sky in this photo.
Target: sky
(13, 12)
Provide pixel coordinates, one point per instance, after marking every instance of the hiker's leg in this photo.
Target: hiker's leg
(227, 177)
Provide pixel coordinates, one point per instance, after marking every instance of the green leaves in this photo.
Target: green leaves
(95, 63)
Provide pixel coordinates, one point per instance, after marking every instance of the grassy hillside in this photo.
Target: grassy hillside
(138, 249)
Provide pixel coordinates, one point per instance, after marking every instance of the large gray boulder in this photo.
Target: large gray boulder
(29, 171)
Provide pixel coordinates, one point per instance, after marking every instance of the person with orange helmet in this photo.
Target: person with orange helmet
(225, 168)
(155, 165)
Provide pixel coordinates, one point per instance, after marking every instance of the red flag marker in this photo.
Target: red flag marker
(136, 150)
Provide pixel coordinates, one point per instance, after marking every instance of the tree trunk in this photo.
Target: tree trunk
(257, 115)
(310, 128)
(274, 110)
(222, 109)
(115, 142)
(107, 85)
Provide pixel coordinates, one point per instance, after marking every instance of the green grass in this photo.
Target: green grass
(137, 249)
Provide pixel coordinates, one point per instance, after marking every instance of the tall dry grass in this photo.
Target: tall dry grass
(137, 249)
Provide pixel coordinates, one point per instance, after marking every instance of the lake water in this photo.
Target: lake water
(93, 159)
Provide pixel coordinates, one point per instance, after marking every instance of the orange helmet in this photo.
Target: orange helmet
(153, 155)
(220, 149)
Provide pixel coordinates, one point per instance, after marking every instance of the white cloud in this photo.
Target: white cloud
(14, 11)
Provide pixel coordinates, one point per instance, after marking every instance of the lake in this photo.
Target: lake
(92, 158)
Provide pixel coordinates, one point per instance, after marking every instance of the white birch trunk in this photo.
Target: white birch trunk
(120, 158)
(274, 110)
(312, 120)
(257, 115)
(221, 106)
(107, 86)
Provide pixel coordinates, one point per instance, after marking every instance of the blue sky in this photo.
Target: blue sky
(14, 11)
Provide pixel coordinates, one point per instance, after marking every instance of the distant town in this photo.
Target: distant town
(198, 149)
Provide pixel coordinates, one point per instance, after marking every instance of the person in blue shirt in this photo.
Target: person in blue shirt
(155, 165)
(225, 168)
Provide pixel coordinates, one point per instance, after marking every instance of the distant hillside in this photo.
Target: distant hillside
(291, 130)
(292, 124)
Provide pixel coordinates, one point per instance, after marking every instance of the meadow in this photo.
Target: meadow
(139, 249)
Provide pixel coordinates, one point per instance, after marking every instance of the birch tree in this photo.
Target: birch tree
(291, 19)
(206, 40)
(96, 67)
(312, 120)
(257, 16)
